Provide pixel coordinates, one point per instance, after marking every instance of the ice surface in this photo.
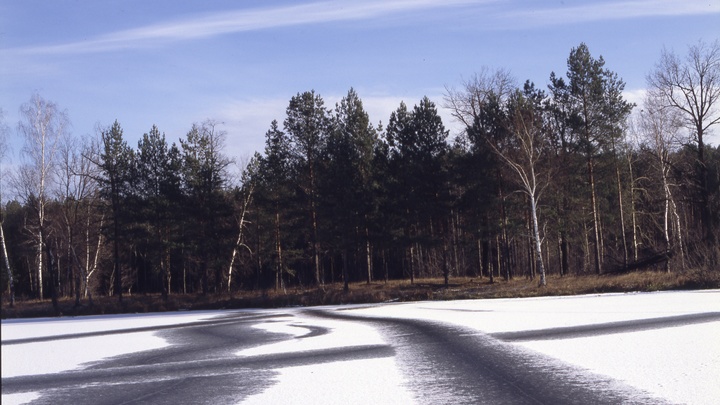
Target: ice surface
(39, 327)
(679, 363)
(366, 381)
(333, 334)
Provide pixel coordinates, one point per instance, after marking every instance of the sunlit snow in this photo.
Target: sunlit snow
(678, 364)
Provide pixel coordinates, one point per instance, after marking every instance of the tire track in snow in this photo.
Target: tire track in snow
(637, 325)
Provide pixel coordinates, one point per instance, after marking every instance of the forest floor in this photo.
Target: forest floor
(374, 292)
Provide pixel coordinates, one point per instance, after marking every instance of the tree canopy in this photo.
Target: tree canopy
(558, 181)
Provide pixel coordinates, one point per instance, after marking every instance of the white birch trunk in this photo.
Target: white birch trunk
(95, 259)
(11, 281)
(538, 241)
(239, 242)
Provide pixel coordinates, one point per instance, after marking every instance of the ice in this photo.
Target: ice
(678, 364)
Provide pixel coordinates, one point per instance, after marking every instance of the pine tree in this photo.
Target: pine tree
(347, 194)
(117, 165)
(208, 210)
(418, 147)
(159, 190)
(596, 112)
(307, 125)
(275, 170)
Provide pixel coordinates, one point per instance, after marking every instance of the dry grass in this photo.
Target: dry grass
(333, 294)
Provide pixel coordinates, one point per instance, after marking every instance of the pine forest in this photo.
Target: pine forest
(561, 178)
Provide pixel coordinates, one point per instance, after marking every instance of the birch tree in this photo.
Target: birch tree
(466, 104)
(523, 156)
(247, 192)
(94, 214)
(691, 85)
(477, 105)
(4, 130)
(42, 125)
(78, 192)
(660, 130)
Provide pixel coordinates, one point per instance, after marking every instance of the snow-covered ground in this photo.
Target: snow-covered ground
(679, 364)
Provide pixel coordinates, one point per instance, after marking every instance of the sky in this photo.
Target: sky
(172, 64)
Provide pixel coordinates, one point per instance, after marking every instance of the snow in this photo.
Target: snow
(381, 374)
(373, 381)
(681, 365)
(513, 315)
(49, 357)
(40, 327)
(69, 354)
(341, 334)
(678, 364)
(63, 355)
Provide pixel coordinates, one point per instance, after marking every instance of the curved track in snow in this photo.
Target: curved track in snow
(439, 363)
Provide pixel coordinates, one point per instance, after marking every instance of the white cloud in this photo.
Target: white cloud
(612, 10)
(380, 107)
(227, 22)
(636, 96)
(247, 120)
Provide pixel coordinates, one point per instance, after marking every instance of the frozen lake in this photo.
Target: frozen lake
(642, 347)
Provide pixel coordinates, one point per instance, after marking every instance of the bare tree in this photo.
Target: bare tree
(42, 125)
(78, 191)
(692, 86)
(466, 104)
(248, 189)
(4, 130)
(659, 128)
(525, 124)
(631, 160)
(476, 106)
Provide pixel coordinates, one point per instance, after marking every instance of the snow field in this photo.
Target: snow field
(679, 364)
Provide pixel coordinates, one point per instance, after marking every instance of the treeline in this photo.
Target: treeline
(564, 181)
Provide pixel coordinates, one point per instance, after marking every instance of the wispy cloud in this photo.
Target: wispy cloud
(501, 15)
(247, 120)
(611, 10)
(227, 22)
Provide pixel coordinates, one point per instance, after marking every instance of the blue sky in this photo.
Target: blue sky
(172, 63)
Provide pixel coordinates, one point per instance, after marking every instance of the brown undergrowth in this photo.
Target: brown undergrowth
(396, 290)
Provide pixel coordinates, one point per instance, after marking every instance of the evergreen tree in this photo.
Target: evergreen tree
(117, 163)
(208, 209)
(275, 170)
(418, 148)
(596, 115)
(159, 189)
(307, 125)
(347, 194)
